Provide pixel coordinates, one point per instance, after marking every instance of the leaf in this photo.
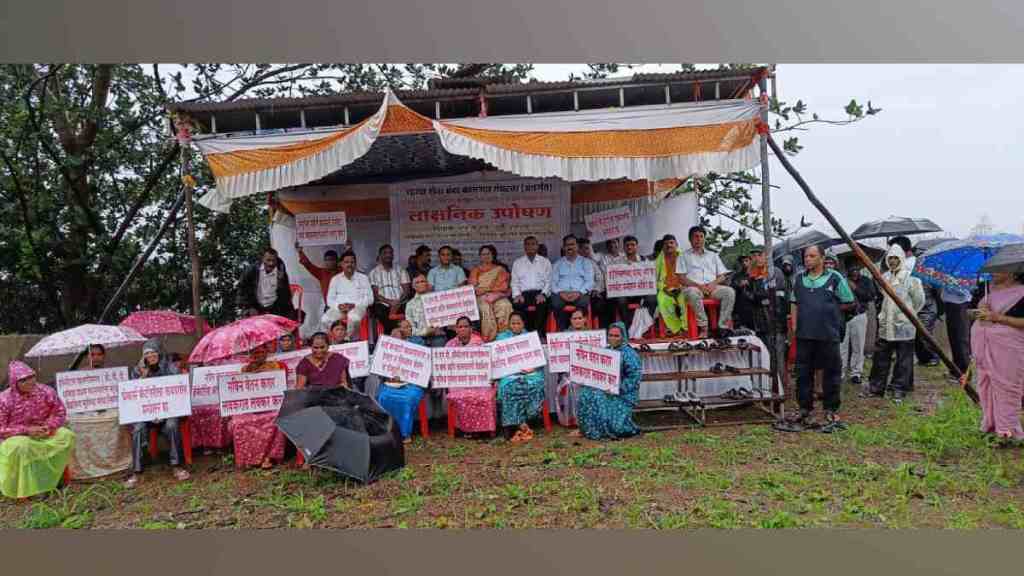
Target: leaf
(854, 109)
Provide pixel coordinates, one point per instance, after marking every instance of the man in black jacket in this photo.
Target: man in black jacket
(264, 288)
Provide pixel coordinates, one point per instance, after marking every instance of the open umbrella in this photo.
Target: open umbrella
(895, 226)
(803, 240)
(240, 337)
(162, 322)
(926, 245)
(77, 339)
(957, 264)
(1008, 259)
(342, 430)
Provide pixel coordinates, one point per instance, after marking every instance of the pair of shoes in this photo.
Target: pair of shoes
(720, 368)
(832, 423)
(898, 397)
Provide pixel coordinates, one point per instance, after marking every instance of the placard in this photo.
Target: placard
(461, 367)
(629, 280)
(444, 308)
(614, 223)
(595, 367)
(291, 363)
(559, 346)
(206, 382)
(401, 360)
(321, 229)
(515, 354)
(90, 390)
(158, 398)
(358, 354)
(252, 392)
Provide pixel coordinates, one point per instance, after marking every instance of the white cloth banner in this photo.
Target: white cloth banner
(252, 392)
(595, 367)
(629, 280)
(461, 367)
(559, 344)
(515, 354)
(614, 223)
(358, 354)
(206, 382)
(90, 390)
(321, 229)
(148, 399)
(401, 360)
(443, 308)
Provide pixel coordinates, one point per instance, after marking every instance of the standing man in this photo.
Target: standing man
(819, 297)
(531, 285)
(420, 262)
(632, 257)
(264, 288)
(704, 275)
(895, 331)
(391, 288)
(852, 348)
(956, 303)
(447, 275)
(572, 280)
(322, 275)
(601, 308)
(349, 296)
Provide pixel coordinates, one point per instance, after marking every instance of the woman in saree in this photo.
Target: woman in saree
(257, 440)
(400, 399)
(567, 393)
(997, 344)
(154, 364)
(671, 300)
(34, 444)
(492, 293)
(520, 395)
(322, 368)
(602, 415)
(474, 407)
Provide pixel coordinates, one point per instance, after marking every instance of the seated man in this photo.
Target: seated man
(391, 287)
(632, 257)
(349, 296)
(531, 285)
(572, 279)
(417, 317)
(600, 308)
(704, 275)
(264, 288)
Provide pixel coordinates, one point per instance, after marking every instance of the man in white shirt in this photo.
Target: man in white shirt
(703, 274)
(348, 296)
(391, 288)
(531, 285)
(632, 257)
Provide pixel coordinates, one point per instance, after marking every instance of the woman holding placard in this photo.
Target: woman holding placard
(565, 405)
(474, 407)
(154, 365)
(257, 440)
(521, 394)
(492, 293)
(400, 399)
(602, 415)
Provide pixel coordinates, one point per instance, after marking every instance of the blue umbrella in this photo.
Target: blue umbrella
(956, 264)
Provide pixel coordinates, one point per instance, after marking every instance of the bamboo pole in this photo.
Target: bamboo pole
(781, 155)
(193, 254)
(775, 363)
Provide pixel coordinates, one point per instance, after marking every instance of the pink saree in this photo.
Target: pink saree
(998, 352)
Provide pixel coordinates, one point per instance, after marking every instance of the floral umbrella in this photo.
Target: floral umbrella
(241, 337)
(162, 322)
(957, 264)
(78, 339)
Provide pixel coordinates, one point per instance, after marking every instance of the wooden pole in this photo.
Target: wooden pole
(781, 155)
(776, 364)
(193, 254)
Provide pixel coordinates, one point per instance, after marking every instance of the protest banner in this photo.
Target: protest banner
(358, 354)
(291, 362)
(512, 355)
(461, 367)
(206, 382)
(630, 280)
(559, 344)
(148, 399)
(595, 367)
(443, 308)
(614, 223)
(321, 229)
(401, 360)
(250, 392)
(90, 390)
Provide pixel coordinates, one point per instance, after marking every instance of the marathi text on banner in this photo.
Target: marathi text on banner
(461, 367)
(595, 367)
(321, 229)
(148, 399)
(90, 390)
(252, 392)
(629, 280)
(291, 362)
(515, 354)
(444, 308)
(403, 361)
(614, 223)
(358, 354)
(206, 382)
(559, 344)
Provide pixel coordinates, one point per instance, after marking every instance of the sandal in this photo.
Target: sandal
(180, 474)
(832, 424)
(718, 368)
(742, 344)
(645, 347)
(744, 393)
(266, 464)
(788, 426)
(732, 369)
(131, 482)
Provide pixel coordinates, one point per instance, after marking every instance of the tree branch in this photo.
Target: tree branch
(100, 92)
(257, 80)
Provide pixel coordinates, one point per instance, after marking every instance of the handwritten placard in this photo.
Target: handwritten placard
(629, 280)
(444, 308)
(461, 367)
(90, 390)
(206, 382)
(595, 367)
(358, 354)
(559, 344)
(148, 399)
(515, 354)
(321, 229)
(400, 360)
(252, 392)
(291, 362)
(614, 223)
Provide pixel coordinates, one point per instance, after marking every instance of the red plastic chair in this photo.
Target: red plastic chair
(186, 440)
(392, 317)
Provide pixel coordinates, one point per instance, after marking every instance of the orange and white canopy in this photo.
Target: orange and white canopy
(642, 143)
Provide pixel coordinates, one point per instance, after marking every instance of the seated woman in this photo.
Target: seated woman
(322, 368)
(339, 332)
(474, 407)
(398, 398)
(153, 365)
(603, 415)
(258, 442)
(492, 293)
(565, 406)
(414, 313)
(520, 394)
(34, 445)
(209, 429)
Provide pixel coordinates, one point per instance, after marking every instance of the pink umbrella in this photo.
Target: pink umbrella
(77, 339)
(162, 322)
(241, 337)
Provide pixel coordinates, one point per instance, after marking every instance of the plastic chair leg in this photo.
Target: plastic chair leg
(424, 423)
(154, 450)
(451, 419)
(186, 440)
(547, 415)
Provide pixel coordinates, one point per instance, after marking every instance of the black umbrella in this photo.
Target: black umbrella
(801, 241)
(926, 245)
(343, 431)
(1008, 259)
(895, 226)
